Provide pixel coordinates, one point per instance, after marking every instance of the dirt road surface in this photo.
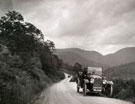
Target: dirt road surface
(64, 92)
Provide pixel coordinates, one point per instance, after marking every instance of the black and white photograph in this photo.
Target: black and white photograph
(67, 51)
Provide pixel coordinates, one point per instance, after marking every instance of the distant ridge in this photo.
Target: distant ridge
(71, 58)
(71, 55)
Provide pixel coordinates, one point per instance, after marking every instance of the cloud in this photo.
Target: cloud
(5, 5)
(102, 25)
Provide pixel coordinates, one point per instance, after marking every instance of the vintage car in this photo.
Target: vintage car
(92, 81)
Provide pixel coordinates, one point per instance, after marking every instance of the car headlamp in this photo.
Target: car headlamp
(104, 81)
(92, 80)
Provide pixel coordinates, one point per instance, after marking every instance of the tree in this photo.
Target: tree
(26, 60)
(50, 45)
(77, 67)
(19, 36)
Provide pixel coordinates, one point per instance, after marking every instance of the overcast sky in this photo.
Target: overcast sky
(101, 25)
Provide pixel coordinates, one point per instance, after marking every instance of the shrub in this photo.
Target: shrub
(124, 89)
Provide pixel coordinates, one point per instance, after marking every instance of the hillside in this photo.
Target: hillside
(70, 58)
(89, 55)
(73, 55)
(27, 64)
(126, 71)
(123, 56)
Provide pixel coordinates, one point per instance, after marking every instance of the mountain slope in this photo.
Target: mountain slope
(123, 56)
(71, 58)
(126, 71)
(89, 55)
(86, 58)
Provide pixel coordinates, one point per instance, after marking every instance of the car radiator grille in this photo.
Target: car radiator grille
(97, 82)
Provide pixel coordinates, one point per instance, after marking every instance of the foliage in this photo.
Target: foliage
(17, 35)
(77, 67)
(27, 62)
(124, 89)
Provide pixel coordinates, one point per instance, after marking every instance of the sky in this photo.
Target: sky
(96, 25)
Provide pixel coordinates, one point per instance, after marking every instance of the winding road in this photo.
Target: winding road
(64, 92)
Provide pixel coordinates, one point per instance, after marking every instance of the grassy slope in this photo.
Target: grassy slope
(126, 71)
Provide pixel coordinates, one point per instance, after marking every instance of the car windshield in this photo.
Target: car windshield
(94, 71)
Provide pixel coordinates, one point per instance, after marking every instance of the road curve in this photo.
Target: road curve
(64, 92)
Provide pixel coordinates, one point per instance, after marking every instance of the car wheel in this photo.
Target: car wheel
(111, 91)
